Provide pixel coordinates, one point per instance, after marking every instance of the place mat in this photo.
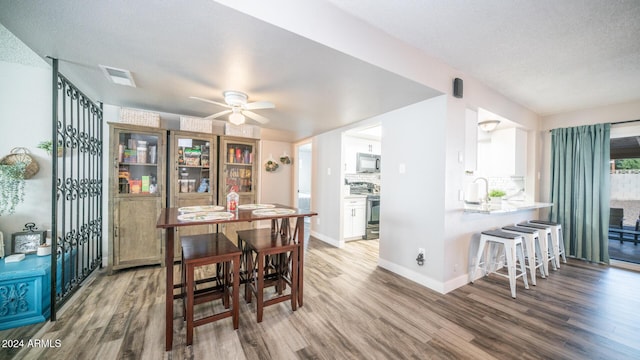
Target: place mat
(205, 216)
(273, 212)
(205, 208)
(255, 206)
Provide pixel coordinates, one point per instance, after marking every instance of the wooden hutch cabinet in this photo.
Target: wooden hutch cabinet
(192, 176)
(238, 172)
(137, 193)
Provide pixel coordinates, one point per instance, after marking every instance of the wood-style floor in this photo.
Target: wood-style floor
(355, 310)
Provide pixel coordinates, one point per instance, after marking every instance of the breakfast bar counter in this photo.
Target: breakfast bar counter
(504, 207)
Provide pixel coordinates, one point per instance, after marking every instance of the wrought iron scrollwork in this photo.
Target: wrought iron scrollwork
(77, 218)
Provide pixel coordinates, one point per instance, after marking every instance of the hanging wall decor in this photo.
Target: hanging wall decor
(21, 155)
(11, 187)
(285, 159)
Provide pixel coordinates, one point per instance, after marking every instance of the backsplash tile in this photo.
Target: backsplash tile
(364, 177)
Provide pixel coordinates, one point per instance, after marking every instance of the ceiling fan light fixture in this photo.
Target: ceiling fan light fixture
(235, 98)
(488, 125)
(236, 118)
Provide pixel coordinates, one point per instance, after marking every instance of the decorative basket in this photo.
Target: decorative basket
(188, 123)
(139, 117)
(21, 155)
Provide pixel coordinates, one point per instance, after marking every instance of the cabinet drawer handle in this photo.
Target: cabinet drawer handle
(115, 231)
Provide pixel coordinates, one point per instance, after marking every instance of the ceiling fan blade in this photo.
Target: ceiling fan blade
(259, 105)
(217, 115)
(209, 101)
(259, 118)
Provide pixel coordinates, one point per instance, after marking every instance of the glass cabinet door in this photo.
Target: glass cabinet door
(138, 164)
(238, 159)
(193, 160)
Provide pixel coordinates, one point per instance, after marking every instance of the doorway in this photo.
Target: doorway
(303, 177)
(625, 199)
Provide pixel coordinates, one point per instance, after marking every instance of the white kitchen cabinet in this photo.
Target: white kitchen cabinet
(354, 145)
(354, 218)
(471, 141)
(509, 152)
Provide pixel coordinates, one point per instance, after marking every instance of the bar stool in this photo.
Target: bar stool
(275, 265)
(210, 249)
(557, 233)
(533, 253)
(513, 249)
(548, 230)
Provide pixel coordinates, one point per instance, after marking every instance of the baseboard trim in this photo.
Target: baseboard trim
(326, 239)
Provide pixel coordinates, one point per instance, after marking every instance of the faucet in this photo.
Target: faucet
(486, 188)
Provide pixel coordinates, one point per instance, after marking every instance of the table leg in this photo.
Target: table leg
(300, 231)
(168, 263)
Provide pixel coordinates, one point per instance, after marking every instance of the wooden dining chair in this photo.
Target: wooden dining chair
(204, 250)
(271, 261)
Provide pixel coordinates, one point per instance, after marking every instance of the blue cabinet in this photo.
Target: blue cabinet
(25, 291)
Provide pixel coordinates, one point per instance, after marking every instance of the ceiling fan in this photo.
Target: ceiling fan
(238, 106)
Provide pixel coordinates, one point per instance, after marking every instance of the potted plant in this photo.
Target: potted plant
(495, 196)
(11, 187)
(48, 147)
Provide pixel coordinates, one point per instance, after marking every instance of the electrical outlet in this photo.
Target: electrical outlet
(455, 268)
(421, 251)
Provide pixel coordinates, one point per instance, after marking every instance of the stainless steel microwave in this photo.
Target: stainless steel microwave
(367, 163)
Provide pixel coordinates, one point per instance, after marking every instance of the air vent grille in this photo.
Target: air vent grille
(118, 76)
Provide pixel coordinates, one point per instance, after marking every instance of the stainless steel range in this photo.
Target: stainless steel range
(372, 218)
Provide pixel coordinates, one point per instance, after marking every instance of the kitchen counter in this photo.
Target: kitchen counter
(504, 207)
(356, 196)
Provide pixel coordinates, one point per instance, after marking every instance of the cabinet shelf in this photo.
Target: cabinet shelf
(195, 167)
(238, 164)
(137, 164)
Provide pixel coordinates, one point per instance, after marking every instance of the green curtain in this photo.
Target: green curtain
(580, 189)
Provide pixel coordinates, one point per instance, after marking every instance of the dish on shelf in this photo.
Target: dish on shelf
(273, 212)
(205, 208)
(255, 206)
(205, 216)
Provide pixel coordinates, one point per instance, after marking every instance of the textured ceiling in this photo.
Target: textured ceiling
(176, 51)
(550, 56)
(12, 50)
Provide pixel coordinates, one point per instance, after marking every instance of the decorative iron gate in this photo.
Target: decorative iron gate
(76, 232)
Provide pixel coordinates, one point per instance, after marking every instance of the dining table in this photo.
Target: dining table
(280, 216)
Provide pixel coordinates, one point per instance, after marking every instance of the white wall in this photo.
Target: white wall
(275, 187)
(326, 185)
(25, 121)
(412, 209)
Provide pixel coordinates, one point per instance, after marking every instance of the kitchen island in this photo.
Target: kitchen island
(504, 207)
